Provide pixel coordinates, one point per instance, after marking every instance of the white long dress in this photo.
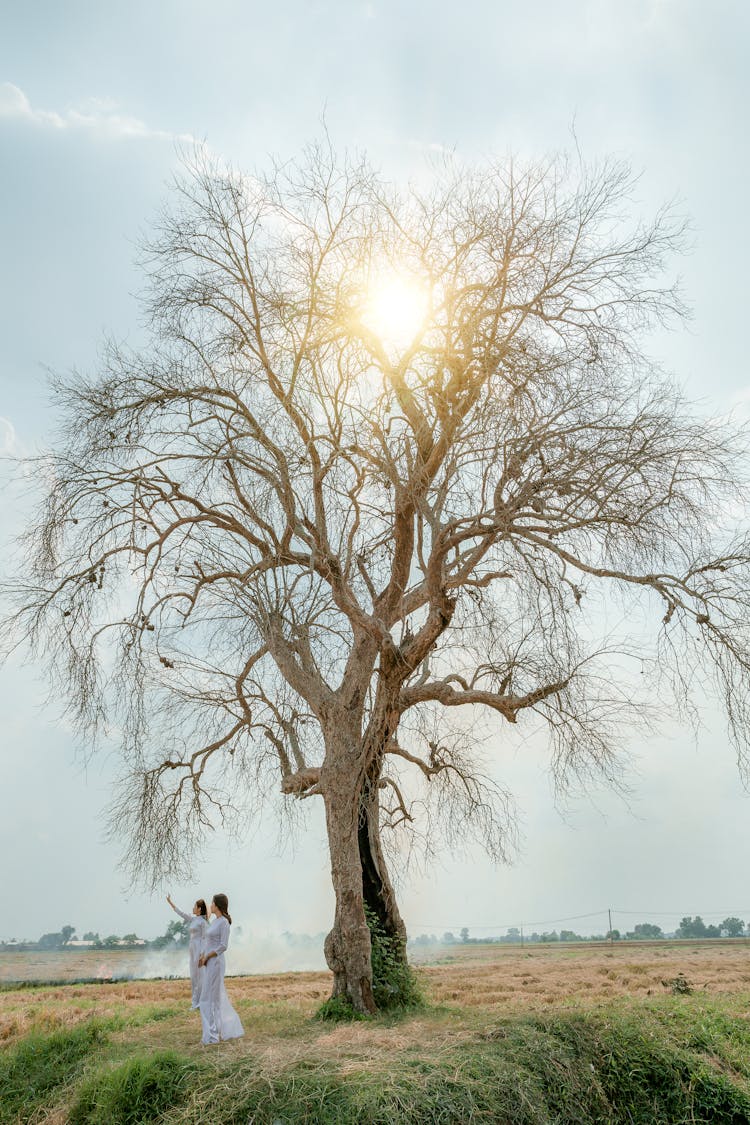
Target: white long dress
(220, 1021)
(197, 928)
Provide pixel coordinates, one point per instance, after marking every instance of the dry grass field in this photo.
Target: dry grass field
(93, 964)
(38, 966)
(487, 1007)
(490, 980)
(522, 976)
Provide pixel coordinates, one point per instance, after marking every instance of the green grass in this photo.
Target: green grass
(609, 1069)
(32, 1072)
(135, 1092)
(673, 1060)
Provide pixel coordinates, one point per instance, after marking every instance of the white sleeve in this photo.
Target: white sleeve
(185, 917)
(224, 938)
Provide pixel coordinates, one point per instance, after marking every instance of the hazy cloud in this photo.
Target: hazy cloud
(740, 403)
(8, 439)
(96, 115)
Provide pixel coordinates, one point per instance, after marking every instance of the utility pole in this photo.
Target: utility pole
(609, 914)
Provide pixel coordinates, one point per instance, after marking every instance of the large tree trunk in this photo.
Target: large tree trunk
(347, 947)
(360, 878)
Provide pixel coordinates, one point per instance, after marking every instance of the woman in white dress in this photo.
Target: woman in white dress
(219, 1019)
(197, 927)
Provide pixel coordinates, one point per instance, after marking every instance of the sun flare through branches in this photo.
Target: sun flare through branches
(395, 308)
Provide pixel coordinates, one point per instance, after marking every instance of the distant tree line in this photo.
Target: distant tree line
(689, 928)
(176, 934)
(697, 928)
(65, 939)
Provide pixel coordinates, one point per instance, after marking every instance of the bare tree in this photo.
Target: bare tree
(384, 457)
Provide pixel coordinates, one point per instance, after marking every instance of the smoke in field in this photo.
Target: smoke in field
(248, 953)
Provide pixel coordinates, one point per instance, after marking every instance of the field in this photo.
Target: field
(529, 1035)
(89, 964)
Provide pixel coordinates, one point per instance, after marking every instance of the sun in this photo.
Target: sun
(395, 308)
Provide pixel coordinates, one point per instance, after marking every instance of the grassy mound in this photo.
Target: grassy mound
(676, 1060)
(32, 1072)
(138, 1091)
(561, 1070)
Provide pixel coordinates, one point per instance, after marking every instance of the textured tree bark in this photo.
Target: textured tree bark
(360, 877)
(347, 947)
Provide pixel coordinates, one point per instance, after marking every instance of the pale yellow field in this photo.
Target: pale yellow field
(488, 980)
(88, 964)
(516, 976)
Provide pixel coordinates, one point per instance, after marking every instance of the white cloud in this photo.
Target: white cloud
(15, 104)
(8, 440)
(97, 115)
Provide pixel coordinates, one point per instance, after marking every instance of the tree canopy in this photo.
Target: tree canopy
(385, 458)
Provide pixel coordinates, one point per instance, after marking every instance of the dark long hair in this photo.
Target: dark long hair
(221, 902)
(201, 904)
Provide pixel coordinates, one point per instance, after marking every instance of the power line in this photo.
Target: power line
(603, 913)
(548, 922)
(727, 913)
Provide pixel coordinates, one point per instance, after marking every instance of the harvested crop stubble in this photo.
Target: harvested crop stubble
(517, 976)
(501, 977)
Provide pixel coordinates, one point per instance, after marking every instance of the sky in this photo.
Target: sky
(95, 102)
